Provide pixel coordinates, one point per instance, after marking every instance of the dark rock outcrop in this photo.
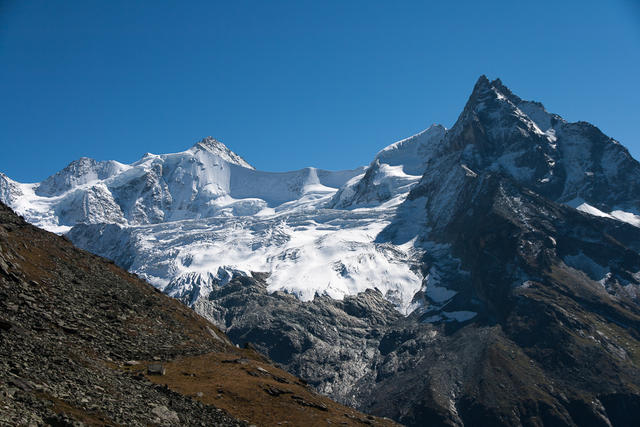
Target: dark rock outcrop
(548, 344)
(539, 322)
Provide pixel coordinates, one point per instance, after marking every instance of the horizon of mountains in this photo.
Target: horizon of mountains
(483, 274)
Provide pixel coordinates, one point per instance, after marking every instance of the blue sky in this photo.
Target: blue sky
(294, 84)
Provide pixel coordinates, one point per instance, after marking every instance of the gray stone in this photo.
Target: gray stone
(165, 416)
(156, 369)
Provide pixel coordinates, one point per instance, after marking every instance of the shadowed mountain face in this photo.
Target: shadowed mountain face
(488, 274)
(528, 314)
(564, 162)
(526, 338)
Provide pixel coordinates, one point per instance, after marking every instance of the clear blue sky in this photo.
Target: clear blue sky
(294, 84)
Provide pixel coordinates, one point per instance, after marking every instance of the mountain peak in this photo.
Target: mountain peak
(212, 145)
(209, 143)
(505, 91)
(494, 88)
(481, 83)
(494, 95)
(500, 109)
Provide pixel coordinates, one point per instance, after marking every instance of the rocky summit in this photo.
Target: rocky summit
(83, 342)
(486, 274)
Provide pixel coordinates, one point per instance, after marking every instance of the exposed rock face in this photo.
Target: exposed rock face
(545, 342)
(331, 343)
(497, 131)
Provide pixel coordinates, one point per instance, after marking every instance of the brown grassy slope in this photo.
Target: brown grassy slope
(72, 323)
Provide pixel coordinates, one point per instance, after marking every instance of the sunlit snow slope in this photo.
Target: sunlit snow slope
(189, 221)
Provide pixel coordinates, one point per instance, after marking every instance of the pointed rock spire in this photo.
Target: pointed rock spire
(495, 89)
(482, 84)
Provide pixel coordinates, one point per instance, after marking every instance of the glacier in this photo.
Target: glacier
(190, 221)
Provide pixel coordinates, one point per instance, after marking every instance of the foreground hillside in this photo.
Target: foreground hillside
(79, 339)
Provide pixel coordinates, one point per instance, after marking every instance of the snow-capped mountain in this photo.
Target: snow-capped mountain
(189, 221)
(204, 181)
(571, 163)
(392, 172)
(509, 241)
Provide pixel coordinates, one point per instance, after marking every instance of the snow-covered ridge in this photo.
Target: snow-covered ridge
(393, 171)
(191, 220)
(219, 149)
(206, 180)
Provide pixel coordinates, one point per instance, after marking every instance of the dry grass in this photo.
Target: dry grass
(252, 390)
(90, 419)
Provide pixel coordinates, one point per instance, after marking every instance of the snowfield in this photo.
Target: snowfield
(189, 221)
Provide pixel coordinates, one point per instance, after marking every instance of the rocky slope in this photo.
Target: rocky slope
(565, 162)
(81, 340)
